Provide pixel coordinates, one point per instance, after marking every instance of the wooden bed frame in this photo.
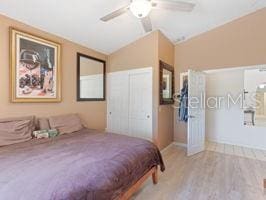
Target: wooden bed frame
(153, 172)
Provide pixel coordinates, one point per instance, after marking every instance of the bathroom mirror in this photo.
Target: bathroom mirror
(255, 97)
(90, 78)
(166, 83)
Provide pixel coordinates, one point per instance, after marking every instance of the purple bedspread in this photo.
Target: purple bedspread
(82, 165)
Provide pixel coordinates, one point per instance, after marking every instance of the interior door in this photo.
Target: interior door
(117, 108)
(196, 112)
(140, 103)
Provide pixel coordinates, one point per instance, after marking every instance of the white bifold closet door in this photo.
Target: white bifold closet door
(117, 102)
(140, 104)
(196, 112)
(130, 103)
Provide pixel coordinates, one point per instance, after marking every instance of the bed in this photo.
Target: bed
(86, 164)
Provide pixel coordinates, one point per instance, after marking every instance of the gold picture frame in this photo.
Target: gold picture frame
(35, 68)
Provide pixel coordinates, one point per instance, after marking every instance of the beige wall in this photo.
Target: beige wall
(165, 114)
(146, 52)
(139, 54)
(239, 43)
(94, 113)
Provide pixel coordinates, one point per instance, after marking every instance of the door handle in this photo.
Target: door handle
(191, 116)
(148, 116)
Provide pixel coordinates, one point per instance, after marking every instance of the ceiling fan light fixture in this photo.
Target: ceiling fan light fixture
(141, 8)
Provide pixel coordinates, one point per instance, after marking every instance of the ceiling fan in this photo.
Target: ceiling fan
(142, 8)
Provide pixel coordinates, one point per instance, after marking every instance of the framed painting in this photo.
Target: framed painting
(35, 68)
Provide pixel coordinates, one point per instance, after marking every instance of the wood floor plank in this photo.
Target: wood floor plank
(229, 149)
(259, 155)
(264, 153)
(250, 178)
(207, 146)
(248, 153)
(238, 151)
(212, 146)
(207, 176)
(220, 148)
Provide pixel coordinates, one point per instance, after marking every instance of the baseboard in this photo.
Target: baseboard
(166, 148)
(180, 144)
(174, 143)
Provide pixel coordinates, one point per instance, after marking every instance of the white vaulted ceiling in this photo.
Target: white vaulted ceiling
(78, 20)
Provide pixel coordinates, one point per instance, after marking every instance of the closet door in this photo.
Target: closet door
(140, 103)
(117, 102)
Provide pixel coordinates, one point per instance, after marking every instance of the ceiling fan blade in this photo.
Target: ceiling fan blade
(115, 14)
(174, 5)
(146, 23)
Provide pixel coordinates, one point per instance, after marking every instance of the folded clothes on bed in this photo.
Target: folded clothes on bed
(45, 133)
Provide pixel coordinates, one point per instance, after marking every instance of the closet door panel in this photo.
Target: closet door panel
(117, 103)
(140, 128)
(140, 104)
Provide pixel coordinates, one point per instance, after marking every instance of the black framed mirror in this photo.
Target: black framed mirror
(90, 78)
(167, 84)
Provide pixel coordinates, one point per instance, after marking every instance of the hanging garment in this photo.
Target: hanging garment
(183, 104)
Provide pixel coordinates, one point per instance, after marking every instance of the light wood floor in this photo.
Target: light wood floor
(256, 154)
(206, 176)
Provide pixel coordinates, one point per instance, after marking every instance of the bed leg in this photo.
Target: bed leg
(155, 176)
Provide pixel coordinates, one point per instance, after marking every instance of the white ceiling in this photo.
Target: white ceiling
(78, 20)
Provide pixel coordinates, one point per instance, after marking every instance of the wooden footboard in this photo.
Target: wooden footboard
(153, 172)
